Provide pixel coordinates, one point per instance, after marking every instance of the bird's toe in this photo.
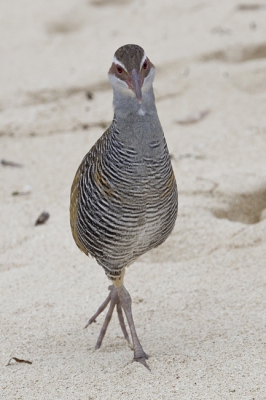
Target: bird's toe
(142, 360)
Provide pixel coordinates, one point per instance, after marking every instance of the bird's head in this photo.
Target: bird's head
(131, 72)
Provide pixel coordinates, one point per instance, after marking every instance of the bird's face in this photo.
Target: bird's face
(131, 71)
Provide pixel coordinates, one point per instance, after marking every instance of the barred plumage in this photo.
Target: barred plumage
(125, 205)
(124, 195)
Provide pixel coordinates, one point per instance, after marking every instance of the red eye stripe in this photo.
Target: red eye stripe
(145, 65)
(119, 69)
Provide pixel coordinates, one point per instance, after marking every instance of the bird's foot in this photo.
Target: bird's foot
(114, 300)
(120, 298)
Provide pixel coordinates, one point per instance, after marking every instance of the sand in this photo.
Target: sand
(199, 300)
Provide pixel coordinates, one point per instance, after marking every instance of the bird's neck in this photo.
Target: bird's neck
(127, 106)
(138, 125)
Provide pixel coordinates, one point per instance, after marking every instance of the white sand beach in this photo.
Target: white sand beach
(199, 300)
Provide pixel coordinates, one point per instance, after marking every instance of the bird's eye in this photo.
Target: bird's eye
(145, 65)
(119, 69)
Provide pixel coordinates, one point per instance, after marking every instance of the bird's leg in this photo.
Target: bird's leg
(113, 299)
(125, 300)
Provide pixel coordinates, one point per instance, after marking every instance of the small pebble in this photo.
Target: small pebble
(43, 217)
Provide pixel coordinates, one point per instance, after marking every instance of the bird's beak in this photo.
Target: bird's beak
(136, 84)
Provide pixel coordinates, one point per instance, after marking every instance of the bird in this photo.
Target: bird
(124, 198)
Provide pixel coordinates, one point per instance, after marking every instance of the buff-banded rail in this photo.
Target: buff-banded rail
(124, 194)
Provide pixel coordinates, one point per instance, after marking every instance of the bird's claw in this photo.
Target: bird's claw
(142, 360)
